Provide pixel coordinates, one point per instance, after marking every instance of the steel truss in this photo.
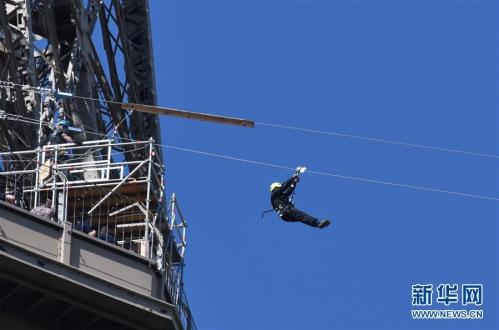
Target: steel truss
(53, 44)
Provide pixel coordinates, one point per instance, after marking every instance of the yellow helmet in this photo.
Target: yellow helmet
(275, 185)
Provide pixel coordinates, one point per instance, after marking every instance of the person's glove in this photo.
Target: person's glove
(300, 170)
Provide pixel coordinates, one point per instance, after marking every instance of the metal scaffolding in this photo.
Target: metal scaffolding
(119, 201)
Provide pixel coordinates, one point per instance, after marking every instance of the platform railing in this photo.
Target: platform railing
(177, 224)
(92, 174)
(85, 185)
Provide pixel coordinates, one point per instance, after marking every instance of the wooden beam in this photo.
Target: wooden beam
(189, 115)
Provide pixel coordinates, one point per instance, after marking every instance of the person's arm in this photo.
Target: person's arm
(67, 138)
(289, 185)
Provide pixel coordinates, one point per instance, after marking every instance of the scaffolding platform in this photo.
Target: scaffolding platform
(109, 247)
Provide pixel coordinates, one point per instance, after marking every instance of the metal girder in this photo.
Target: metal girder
(140, 55)
(50, 28)
(113, 17)
(18, 65)
(91, 58)
(130, 43)
(49, 44)
(188, 115)
(105, 16)
(7, 295)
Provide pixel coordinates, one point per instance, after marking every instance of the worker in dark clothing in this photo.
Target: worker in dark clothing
(50, 168)
(86, 227)
(105, 235)
(61, 135)
(283, 205)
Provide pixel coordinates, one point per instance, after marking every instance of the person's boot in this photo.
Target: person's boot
(323, 224)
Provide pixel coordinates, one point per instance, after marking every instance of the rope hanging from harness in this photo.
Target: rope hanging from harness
(265, 212)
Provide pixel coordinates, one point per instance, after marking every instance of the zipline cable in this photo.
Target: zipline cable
(388, 183)
(371, 139)
(394, 184)
(8, 84)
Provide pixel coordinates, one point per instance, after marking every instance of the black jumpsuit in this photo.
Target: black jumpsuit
(285, 208)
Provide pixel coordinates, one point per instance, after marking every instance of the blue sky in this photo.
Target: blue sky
(421, 72)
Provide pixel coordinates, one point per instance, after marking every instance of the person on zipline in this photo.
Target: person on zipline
(283, 205)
